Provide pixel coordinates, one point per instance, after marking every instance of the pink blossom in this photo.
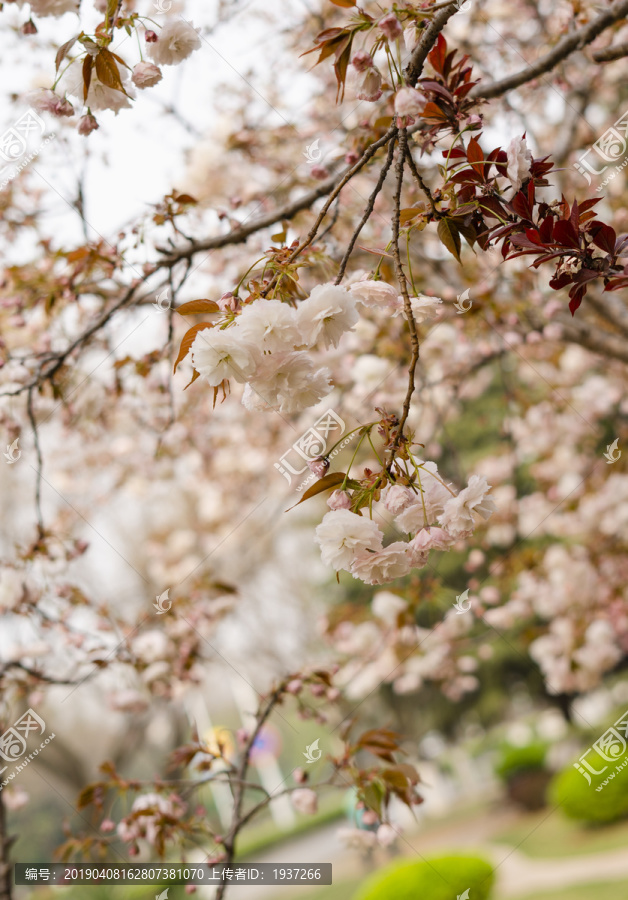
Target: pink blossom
(87, 124)
(391, 26)
(146, 74)
(364, 78)
(304, 801)
(398, 497)
(519, 161)
(382, 566)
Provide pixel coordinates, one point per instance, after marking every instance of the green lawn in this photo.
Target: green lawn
(540, 835)
(603, 890)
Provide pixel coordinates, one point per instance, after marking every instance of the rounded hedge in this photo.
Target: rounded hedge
(596, 803)
(514, 760)
(441, 878)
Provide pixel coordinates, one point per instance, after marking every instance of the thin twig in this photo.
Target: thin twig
(367, 212)
(40, 463)
(420, 181)
(610, 53)
(370, 151)
(403, 285)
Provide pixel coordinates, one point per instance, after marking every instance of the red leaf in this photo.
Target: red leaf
(565, 234)
(438, 54)
(605, 237)
(475, 155)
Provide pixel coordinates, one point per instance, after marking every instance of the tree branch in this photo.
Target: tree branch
(566, 46)
(428, 39)
(610, 53)
(403, 285)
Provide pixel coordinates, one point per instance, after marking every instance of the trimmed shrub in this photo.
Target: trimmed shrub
(597, 803)
(514, 760)
(441, 878)
(523, 770)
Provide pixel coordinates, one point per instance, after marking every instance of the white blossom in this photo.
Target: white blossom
(177, 40)
(409, 102)
(270, 325)
(519, 160)
(343, 534)
(327, 313)
(289, 382)
(457, 515)
(375, 293)
(383, 566)
(398, 497)
(424, 307)
(219, 354)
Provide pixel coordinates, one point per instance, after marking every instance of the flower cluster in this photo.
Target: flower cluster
(426, 508)
(264, 347)
(99, 79)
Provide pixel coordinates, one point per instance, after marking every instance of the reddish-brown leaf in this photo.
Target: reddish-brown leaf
(108, 72)
(197, 307)
(323, 484)
(88, 64)
(188, 340)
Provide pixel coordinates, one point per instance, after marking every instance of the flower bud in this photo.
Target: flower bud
(319, 466)
(87, 124)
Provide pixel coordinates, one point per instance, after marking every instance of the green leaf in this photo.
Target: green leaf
(449, 237)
